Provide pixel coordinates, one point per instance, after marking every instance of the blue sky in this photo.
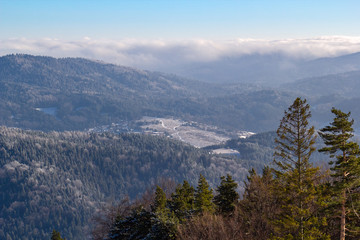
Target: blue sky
(175, 19)
(166, 35)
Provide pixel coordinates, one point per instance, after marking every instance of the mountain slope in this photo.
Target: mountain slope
(268, 69)
(345, 84)
(81, 92)
(74, 94)
(58, 180)
(336, 90)
(47, 94)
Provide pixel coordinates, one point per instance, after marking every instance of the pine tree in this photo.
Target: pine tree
(55, 235)
(160, 200)
(182, 201)
(203, 197)
(345, 171)
(295, 175)
(164, 222)
(227, 197)
(137, 225)
(259, 205)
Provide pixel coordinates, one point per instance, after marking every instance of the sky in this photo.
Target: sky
(178, 19)
(146, 33)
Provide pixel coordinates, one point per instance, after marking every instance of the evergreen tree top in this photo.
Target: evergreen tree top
(203, 196)
(160, 199)
(227, 195)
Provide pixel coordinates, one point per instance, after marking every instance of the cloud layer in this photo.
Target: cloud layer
(163, 55)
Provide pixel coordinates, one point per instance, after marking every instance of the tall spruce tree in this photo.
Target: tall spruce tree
(227, 196)
(345, 172)
(295, 175)
(182, 201)
(203, 197)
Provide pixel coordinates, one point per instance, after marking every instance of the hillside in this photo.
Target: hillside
(57, 180)
(344, 84)
(258, 150)
(324, 92)
(269, 69)
(45, 93)
(80, 92)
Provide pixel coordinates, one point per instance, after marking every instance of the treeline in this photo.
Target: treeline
(163, 215)
(292, 200)
(57, 180)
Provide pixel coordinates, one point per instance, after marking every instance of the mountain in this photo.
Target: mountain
(79, 91)
(345, 84)
(334, 90)
(258, 150)
(59, 179)
(268, 69)
(331, 65)
(45, 93)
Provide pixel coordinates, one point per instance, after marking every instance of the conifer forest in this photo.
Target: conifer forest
(56, 183)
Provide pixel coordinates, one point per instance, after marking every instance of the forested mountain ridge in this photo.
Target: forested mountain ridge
(45, 93)
(80, 91)
(57, 180)
(342, 84)
(270, 69)
(293, 199)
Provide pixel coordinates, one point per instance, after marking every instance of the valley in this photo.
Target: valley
(193, 133)
(78, 134)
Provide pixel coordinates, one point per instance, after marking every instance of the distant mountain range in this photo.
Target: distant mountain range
(269, 69)
(46, 93)
(57, 179)
(74, 94)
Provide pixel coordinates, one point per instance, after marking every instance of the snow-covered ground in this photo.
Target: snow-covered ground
(50, 110)
(196, 134)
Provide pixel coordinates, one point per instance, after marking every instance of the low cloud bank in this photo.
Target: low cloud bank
(137, 51)
(162, 55)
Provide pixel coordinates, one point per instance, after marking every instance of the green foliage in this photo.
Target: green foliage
(165, 220)
(227, 196)
(203, 197)
(160, 200)
(259, 206)
(136, 226)
(345, 172)
(295, 176)
(295, 140)
(58, 180)
(182, 200)
(55, 235)
(159, 223)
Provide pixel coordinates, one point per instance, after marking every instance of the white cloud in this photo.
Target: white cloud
(160, 55)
